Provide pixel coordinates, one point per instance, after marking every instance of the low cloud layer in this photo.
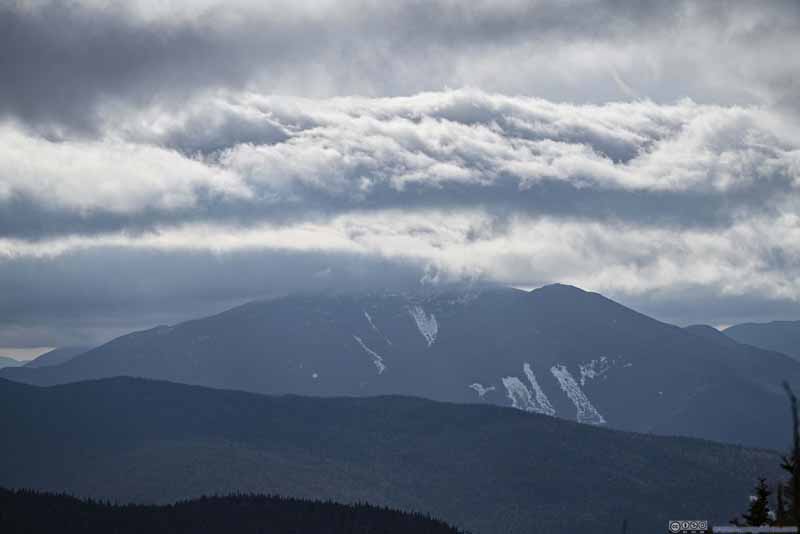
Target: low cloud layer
(163, 161)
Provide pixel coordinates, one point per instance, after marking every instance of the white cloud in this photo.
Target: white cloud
(603, 256)
(106, 175)
(384, 170)
(261, 149)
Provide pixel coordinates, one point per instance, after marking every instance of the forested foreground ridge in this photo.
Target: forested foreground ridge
(35, 512)
(482, 468)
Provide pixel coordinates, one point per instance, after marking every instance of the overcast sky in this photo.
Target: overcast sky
(165, 160)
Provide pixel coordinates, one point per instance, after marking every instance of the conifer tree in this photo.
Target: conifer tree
(758, 514)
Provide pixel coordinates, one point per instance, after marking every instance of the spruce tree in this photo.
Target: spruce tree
(758, 515)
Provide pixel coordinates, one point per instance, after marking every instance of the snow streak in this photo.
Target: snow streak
(375, 328)
(376, 358)
(543, 403)
(587, 413)
(427, 326)
(525, 399)
(520, 395)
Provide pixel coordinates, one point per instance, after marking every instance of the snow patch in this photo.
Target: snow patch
(587, 413)
(427, 326)
(542, 402)
(594, 369)
(481, 389)
(376, 358)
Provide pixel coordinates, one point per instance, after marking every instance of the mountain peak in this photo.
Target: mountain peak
(559, 288)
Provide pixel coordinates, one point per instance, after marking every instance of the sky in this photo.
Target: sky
(164, 160)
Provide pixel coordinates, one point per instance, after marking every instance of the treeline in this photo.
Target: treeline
(33, 512)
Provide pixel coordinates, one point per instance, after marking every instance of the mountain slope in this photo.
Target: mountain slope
(557, 350)
(56, 356)
(27, 512)
(484, 468)
(709, 333)
(780, 336)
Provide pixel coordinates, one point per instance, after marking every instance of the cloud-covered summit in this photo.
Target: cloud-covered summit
(212, 153)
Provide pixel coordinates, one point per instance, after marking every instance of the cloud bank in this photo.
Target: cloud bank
(164, 160)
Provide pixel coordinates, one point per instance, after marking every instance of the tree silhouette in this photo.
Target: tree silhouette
(25, 511)
(791, 464)
(759, 513)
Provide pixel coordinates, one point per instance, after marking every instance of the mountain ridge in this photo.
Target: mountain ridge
(56, 356)
(139, 440)
(779, 336)
(556, 350)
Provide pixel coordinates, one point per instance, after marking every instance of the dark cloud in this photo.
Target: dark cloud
(66, 63)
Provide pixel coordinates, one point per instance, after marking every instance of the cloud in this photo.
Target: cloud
(247, 159)
(186, 270)
(66, 65)
(513, 189)
(159, 159)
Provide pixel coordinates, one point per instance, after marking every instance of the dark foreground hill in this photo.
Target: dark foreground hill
(556, 350)
(781, 336)
(484, 468)
(33, 513)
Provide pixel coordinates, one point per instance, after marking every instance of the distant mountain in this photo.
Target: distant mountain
(28, 512)
(556, 350)
(709, 333)
(780, 336)
(6, 361)
(56, 356)
(484, 468)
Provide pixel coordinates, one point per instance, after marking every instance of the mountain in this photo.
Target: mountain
(56, 356)
(28, 512)
(556, 350)
(780, 336)
(483, 468)
(6, 361)
(709, 333)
